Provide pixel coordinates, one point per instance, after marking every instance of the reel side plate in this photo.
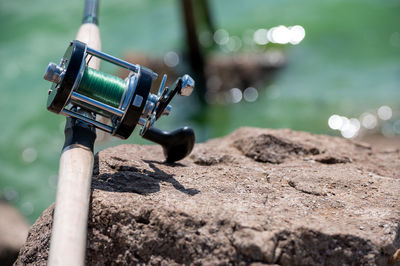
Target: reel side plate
(72, 61)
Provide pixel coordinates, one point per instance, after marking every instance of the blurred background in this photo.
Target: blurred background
(328, 67)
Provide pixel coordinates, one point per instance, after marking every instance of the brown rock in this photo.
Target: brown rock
(255, 197)
(13, 232)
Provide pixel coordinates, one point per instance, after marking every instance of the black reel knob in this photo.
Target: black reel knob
(176, 144)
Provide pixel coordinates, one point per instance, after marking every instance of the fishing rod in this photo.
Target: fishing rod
(84, 94)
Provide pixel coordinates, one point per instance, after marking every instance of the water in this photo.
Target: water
(347, 63)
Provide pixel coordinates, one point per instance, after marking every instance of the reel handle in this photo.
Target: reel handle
(176, 144)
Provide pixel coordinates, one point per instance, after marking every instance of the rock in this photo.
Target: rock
(255, 197)
(13, 232)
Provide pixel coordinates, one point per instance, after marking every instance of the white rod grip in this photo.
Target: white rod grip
(69, 232)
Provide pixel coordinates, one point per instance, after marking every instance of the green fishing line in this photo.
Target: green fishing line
(102, 87)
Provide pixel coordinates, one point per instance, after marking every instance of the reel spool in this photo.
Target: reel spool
(125, 102)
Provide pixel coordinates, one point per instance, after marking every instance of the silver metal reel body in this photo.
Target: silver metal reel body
(136, 106)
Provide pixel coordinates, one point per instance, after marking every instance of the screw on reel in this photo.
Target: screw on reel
(125, 102)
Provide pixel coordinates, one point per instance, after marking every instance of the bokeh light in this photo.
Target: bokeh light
(297, 34)
(335, 122)
(250, 94)
(171, 59)
(234, 44)
(9, 194)
(261, 36)
(221, 37)
(385, 112)
(280, 34)
(236, 95)
(29, 155)
(368, 120)
(349, 128)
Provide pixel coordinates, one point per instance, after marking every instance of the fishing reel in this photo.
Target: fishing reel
(127, 103)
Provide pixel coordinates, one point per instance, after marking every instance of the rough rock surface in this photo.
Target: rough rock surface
(13, 232)
(254, 197)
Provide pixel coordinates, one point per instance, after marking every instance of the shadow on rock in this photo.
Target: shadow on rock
(137, 180)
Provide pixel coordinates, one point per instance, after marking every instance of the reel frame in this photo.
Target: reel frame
(137, 104)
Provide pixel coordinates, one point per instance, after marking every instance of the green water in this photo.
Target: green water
(348, 63)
